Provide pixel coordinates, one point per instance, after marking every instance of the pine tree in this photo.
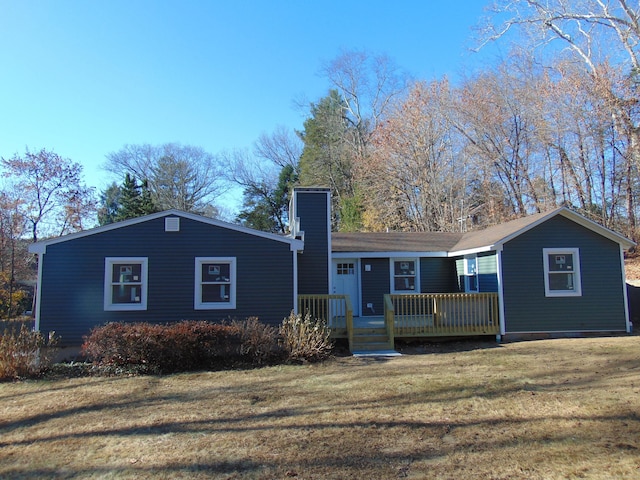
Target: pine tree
(135, 199)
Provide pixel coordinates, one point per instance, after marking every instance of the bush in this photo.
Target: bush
(25, 353)
(305, 338)
(259, 341)
(200, 345)
(150, 348)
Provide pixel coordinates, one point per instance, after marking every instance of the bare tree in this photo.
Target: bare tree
(498, 113)
(368, 84)
(599, 33)
(415, 179)
(54, 198)
(281, 148)
(179, 176)
(264, 175)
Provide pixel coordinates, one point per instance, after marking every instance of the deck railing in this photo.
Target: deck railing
(389, 318)
(443, 314)
(336, 310)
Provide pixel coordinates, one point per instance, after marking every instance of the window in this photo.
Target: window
(562, 272)
(403, 276)
(471, 274)
(346, 269)
(125, 284)
(215, 283)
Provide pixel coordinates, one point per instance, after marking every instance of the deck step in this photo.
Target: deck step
(369, 331)
(371, 340)
(370, 346)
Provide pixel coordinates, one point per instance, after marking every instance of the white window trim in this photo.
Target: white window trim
(416, 275)
(198, 304)
(577, 291)
(108, 283)
(467, 274)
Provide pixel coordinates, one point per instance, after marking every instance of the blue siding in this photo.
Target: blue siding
(313, 263)
(487, 272)
(527, 309)
(375, 284)
(73, 282)
(437, 275)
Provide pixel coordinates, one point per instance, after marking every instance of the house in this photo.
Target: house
(553, 272)
(163, 267)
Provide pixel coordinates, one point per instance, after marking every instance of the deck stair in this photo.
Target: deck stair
(370, 337)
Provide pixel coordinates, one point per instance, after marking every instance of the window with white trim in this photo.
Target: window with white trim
(404, 278)
(562, 272)
(215, 283)
(345, 269)
(125, 283)
(471, 274)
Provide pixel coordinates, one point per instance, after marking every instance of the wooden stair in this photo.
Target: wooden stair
(371, 339)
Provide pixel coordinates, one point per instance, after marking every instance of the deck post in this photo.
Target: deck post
(389, 320)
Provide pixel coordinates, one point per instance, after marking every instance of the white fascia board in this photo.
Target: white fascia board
(400, 254)
(471, 251)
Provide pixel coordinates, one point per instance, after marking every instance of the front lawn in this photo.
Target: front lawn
(548, 409)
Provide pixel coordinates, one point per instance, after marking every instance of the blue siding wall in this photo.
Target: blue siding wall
(527, 309)
(313, 263)
(487, 272)
(437, 275)
(375, 284)
(72, 289)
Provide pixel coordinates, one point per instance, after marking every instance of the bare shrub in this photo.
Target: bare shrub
(25, 353)
(305, 338)
(259, 341)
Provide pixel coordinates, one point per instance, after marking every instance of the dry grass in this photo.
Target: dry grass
(536, 410)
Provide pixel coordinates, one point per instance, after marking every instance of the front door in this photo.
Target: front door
(345, 281)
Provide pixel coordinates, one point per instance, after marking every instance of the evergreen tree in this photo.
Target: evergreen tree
(110, 204)
(266, 208)
(329, 154)
(130, 200)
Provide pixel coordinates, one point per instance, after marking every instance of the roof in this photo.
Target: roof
(41, 246)
(394, 242)
(450, 244)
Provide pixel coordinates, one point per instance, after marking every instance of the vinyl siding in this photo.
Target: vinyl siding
(313, 263)
(375, 284)
(487, 272)
(437, 275)
(73, 282)
(527, 309)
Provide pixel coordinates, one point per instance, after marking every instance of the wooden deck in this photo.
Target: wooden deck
(409, 316)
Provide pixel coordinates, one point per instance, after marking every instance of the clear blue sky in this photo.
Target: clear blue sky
(86, 77)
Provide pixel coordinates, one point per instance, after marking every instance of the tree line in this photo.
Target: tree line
(555, 122)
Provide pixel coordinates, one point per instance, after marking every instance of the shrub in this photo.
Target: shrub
(183, 346)
(306, 338)
(260, 342)
(25, 353)
(200, 345)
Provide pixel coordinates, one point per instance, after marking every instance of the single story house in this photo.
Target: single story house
(553, 272)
